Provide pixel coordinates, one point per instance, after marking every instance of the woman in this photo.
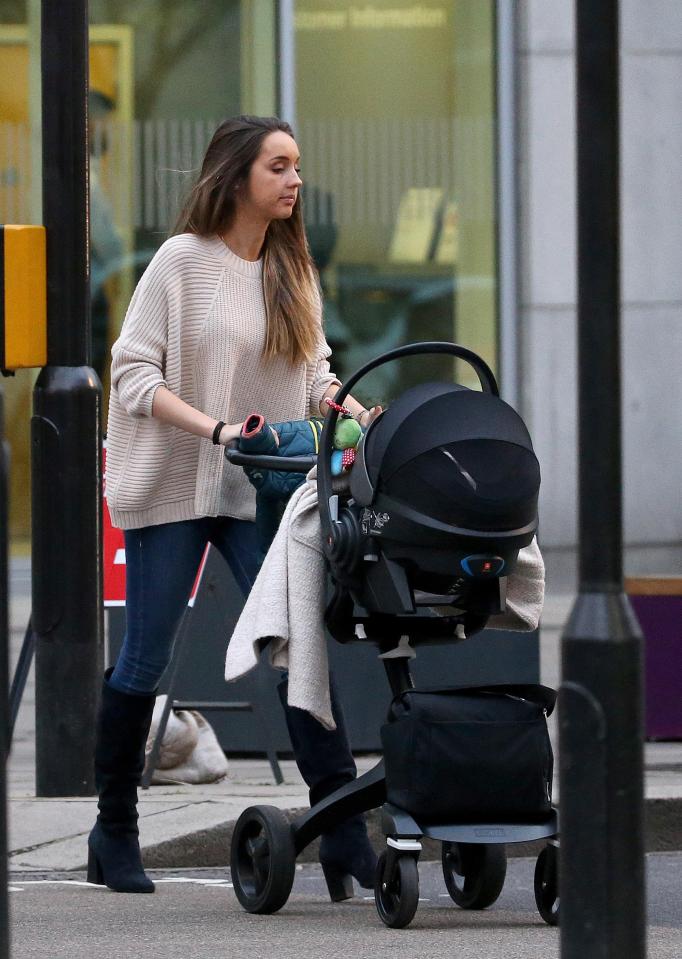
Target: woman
(225, 320)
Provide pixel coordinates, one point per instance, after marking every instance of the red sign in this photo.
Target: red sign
(115, 555)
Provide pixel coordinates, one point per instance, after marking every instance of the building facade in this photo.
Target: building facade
(437, 143)
(651, 240)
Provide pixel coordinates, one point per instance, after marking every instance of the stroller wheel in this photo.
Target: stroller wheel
(397, 896)
(474, 873)
(546, 884)
(262, 859)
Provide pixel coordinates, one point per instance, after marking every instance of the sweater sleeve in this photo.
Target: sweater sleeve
(138, 356)
(322, 377)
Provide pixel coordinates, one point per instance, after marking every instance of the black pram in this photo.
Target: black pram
(420, 538)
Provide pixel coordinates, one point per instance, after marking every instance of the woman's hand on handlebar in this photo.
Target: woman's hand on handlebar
(229, 433)
(232, 431)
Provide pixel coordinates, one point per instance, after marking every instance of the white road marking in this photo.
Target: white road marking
(420, 900)
(219, 883)
(58, 882)
(198, 882)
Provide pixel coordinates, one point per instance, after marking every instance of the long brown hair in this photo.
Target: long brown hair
(289, 276)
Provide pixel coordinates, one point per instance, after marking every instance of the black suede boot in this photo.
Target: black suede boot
(113, 848)
(326, 763)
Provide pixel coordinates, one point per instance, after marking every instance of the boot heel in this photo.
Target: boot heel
(95, 874)
(339, 884)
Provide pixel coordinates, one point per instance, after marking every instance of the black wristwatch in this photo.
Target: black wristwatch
(216, 433)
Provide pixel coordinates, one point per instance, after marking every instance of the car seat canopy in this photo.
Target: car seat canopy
(443, 496)
(476, 484)
(455, 455)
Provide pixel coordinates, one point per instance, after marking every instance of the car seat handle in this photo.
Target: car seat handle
(486, 378)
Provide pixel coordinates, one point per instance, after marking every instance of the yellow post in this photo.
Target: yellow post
(23, 297)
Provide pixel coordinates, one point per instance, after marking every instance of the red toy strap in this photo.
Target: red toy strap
(335, 406)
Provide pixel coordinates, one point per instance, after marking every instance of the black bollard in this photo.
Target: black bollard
(602, 880)
(65, 434)
(4, 688)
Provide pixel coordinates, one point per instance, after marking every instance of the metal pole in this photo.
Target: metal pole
(4, 690)
(20, 677)
(286, 42)
(507, 203)
(66, 438)
(602, 848)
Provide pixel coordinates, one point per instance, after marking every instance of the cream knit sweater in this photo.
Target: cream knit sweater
(196, 324)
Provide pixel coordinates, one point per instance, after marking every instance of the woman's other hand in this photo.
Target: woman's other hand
(367, 417)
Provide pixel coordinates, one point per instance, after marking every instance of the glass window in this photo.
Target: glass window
(395, 120)
(163, 73)
(395, 117)
(20, 202)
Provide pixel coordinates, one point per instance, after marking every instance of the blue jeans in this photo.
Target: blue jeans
(161, 565)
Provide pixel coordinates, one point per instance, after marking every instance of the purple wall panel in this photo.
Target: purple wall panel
(661, 621)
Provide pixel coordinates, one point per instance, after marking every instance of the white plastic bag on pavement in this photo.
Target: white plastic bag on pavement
(190, 751)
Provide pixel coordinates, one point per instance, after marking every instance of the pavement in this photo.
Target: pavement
(190, 826)
(194, 914)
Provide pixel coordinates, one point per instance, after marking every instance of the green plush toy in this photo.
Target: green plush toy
(347, 433)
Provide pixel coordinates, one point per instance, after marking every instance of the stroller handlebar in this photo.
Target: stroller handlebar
(290, 464)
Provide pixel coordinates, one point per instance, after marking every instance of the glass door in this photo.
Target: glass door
(163, 73)
(395, 117)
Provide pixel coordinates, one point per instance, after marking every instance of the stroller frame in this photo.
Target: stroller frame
(265, 844)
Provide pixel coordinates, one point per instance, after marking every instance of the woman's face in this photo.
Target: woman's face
(273, 182)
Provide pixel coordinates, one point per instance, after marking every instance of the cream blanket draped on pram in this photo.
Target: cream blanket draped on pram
(286, 606)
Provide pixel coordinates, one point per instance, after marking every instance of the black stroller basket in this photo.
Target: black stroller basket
(441, 497)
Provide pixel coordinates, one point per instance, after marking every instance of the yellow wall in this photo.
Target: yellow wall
(413, 74)
(477, 298)
(109, 61)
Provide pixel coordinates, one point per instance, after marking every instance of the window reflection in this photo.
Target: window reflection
(395, 120)
(162, 74)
